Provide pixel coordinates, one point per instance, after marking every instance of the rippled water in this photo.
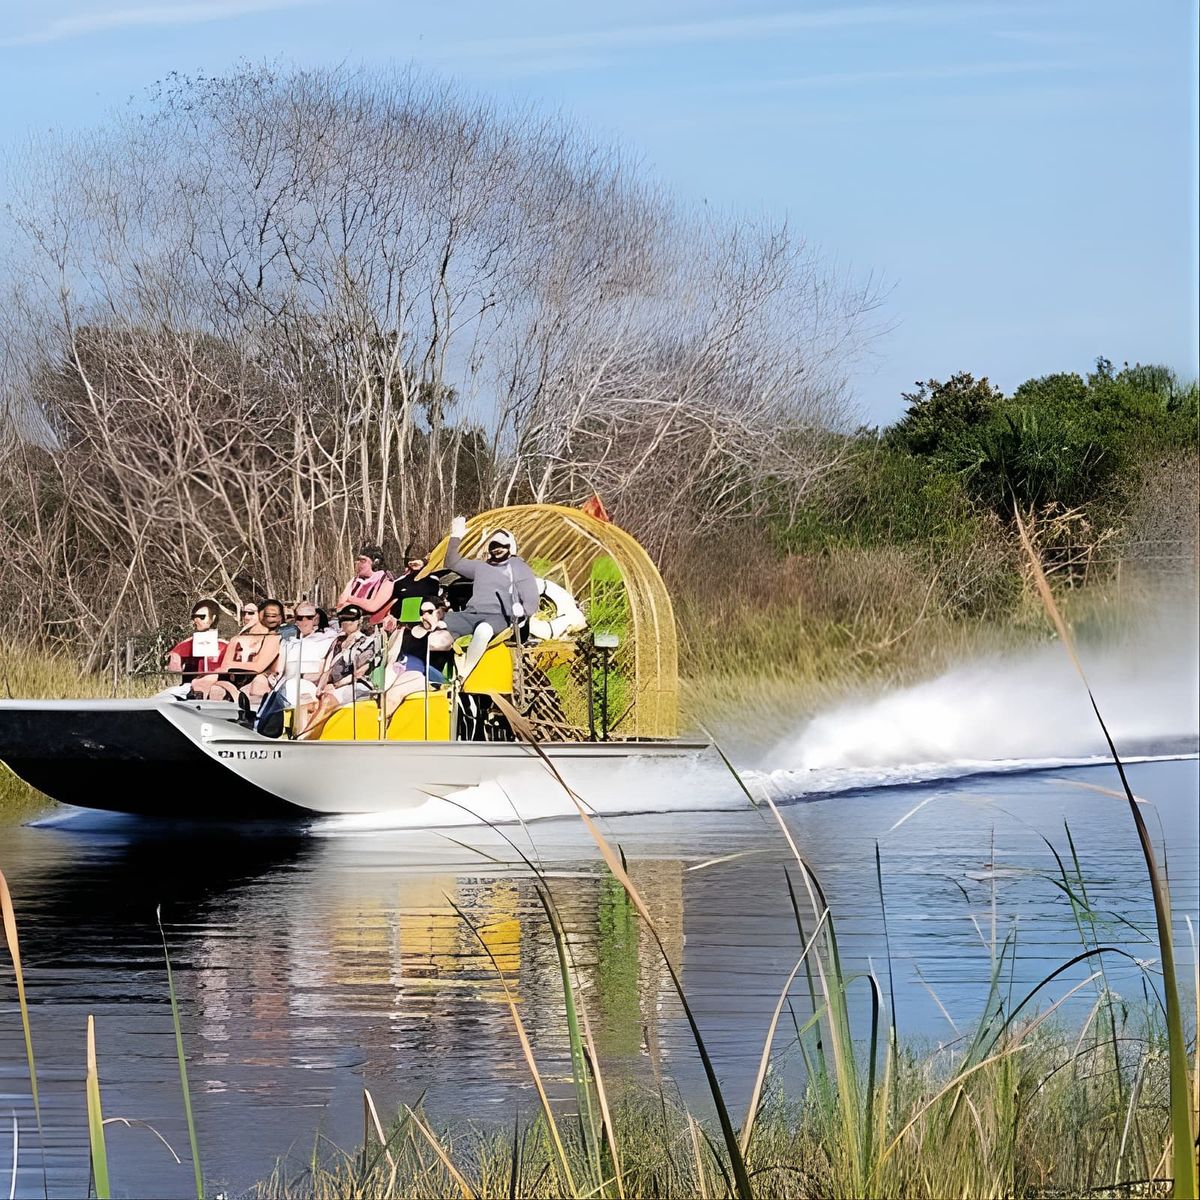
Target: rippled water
(312, 964)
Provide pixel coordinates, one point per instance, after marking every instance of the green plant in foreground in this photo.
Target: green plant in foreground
(9, 918)
(1020, 1106)
(95, 1115)
(1183, 1107)
(183, 1079)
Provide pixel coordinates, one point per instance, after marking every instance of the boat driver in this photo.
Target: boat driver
(504, 591)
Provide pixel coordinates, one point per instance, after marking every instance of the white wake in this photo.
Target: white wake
(999, 716)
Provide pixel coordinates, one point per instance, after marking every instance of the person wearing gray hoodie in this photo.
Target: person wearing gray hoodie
(504, 589)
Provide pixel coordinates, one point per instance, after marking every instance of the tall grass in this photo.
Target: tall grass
(29, 673)
(802, 634)
(95, 1116)
(1020, 1105)
(193, 1141)
(12, 941)
(1183, 1116)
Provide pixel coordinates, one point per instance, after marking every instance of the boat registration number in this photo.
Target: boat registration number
(249, 753)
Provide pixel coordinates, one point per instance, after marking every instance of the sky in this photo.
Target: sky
(1018, 179)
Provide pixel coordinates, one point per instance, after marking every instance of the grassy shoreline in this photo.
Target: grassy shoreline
(1021, 1101)
(1045, 1119)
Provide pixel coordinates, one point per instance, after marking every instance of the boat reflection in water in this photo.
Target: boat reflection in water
(410, 961)
(307, 967)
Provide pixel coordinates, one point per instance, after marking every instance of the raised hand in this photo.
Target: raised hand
(458, 527)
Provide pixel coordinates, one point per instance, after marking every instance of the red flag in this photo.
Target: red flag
(595, 508)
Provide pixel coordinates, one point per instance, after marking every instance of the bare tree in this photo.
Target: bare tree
(270, 313)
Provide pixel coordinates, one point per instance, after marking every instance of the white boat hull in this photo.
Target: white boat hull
(164, 758)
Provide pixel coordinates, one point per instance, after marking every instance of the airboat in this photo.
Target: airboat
(592, 690)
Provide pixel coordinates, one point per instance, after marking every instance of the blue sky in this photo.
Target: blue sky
(1020, 177)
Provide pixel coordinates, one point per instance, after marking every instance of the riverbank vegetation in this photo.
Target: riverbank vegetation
(1047, 1118)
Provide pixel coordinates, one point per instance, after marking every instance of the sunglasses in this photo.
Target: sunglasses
(200, 616)
(306, 616)
(428, 612)
(249, 612)
(494, 546)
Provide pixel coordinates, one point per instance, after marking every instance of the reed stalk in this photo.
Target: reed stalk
(1183, 1132)
(193, 1142)
(95, 1117)
(13, 943)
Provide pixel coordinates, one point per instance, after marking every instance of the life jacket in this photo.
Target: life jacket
(365, 589)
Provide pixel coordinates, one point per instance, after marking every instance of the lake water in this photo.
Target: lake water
(312, 964)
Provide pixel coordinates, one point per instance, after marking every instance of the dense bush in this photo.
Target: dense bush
(964, 450)
(1082, 459)
(1058, 440)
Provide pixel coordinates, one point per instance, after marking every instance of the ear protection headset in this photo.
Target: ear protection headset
(376, 555)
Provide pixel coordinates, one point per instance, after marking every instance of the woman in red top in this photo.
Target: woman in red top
(196, 658)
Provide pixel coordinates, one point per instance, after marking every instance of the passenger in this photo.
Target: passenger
(430, 642)
(298, 668)
(343, 677)
(504, 591)
(249, 614)
(418, 653)
(249, 655)
(288, 629)
(371, 587)
(407, 584)
(270, 615)
(255, 684)
(197, 658)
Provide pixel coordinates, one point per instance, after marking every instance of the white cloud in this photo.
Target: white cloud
(741, 28)
(983, 70)
(189, 12)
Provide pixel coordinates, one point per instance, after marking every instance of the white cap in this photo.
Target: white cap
(502, 535)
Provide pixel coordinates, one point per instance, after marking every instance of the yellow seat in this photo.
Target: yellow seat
(494, 671)
(408, 723)
(358, 722)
